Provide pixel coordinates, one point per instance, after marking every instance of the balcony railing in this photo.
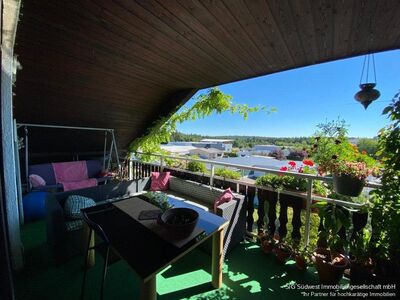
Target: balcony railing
(286, 198)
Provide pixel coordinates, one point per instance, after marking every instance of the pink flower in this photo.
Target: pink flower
(308, 162)
(283, 169)
(292, 164)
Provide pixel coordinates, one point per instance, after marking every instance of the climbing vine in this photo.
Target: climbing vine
(213, 101)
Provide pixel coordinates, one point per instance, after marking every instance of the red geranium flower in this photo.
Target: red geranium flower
(283, 169)
(300, 170)
(308, 162)
(292, 164)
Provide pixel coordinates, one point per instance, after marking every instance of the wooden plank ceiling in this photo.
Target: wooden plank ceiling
(122, 64)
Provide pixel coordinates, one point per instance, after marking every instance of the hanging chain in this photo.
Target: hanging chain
(373, 63)
(362, 72)
(367, 59)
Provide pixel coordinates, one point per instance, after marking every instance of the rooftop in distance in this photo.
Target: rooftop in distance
(216, 141)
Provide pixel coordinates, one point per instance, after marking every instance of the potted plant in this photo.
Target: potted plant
(302, 258)
(267, 244)
(329, 258)
(361, 267)
(282, 252)
(338, 157)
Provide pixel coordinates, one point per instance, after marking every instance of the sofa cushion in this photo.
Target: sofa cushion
(36, 180)
(75, 203)
(45, 171)
(159, 181)
(70, 171)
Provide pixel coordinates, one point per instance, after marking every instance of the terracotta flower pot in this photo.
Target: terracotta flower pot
(267, 246)
(330, 269)
(348, 185)
(282, 253)
(301, 262)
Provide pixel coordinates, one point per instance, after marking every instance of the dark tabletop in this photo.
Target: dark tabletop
(142, 249)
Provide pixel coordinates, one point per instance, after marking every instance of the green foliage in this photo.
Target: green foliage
(196, 166)
(278, 182)
(269, 180)
(335, 155)
(232, 154)
(333, 217)
(227, 173)
(386, 201)
(369, 146)
(213, 101)
(359, 246)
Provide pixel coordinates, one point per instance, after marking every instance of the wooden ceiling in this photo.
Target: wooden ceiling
(122, 64)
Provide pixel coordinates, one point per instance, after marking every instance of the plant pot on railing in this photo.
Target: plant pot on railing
(348, 185)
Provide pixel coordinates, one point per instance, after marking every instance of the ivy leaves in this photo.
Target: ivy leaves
(213, 101)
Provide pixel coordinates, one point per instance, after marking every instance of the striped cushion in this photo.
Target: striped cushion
(74, 225)
(74, 204)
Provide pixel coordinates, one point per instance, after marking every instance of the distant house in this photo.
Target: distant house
(207, 153)
(224, 145)
(178, 149)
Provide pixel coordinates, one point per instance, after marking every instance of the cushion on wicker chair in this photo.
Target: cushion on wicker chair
(74, 204)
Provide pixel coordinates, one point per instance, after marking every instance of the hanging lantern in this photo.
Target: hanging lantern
(368, 93)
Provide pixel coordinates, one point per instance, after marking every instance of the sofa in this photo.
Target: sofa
(66, 243)
(46, 171)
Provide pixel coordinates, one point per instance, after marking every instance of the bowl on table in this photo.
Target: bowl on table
(179, 221)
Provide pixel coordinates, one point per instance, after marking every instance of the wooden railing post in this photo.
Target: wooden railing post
(250, 194)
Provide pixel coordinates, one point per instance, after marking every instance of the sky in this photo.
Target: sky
(305, 97)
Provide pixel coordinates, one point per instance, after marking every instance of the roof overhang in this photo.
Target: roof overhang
(124, 64)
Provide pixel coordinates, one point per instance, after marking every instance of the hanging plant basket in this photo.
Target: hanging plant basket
(347, 185)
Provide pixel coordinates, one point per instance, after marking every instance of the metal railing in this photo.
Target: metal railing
(308, 195)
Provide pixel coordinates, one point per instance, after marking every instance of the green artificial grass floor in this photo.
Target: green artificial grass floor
(248, 274)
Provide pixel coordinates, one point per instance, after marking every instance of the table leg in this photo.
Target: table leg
(148, 290)
(91, 255)
(217, 258)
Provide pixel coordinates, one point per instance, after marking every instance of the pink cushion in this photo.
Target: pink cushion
(36, 180)
(226, 196)
(159, 181)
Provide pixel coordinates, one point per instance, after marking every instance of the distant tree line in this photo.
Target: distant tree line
(369, 145)
(246, 142)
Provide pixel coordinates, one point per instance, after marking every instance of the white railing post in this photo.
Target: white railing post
(161, 163)
(212, 175)
(130, 168)
(308, 211)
